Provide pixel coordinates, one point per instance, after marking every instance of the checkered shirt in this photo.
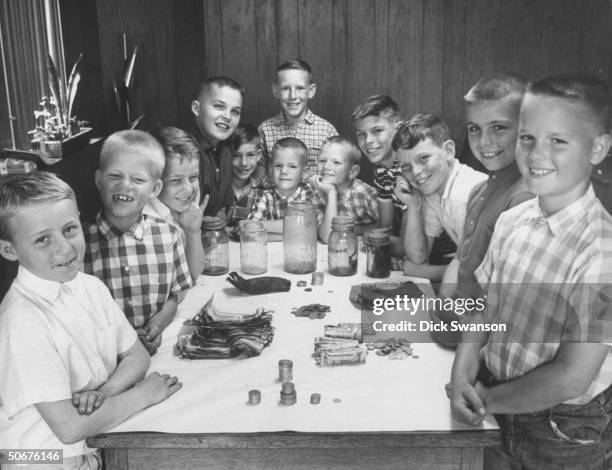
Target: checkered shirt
(543, 276)
(359, 202)
(312, 130)
(384, 182)
(141, 267)
(244, 200)
(272, 206)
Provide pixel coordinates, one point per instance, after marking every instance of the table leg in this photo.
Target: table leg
(471, 458)
(115, 459)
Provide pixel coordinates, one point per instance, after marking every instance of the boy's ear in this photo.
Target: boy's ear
(354, 171)
(97, 177)
(601, 147)
(449, 148)
(157, 187)
(195, 107)
(7, 251)
(275, 91)
(312, 90)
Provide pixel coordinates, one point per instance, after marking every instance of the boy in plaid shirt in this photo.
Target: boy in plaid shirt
(294, 88)
(140, 258)
(245, 146)
(289, 157)
(547, 275)
(339, 191)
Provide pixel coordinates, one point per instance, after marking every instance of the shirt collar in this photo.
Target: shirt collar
(109, 231)
(563, 219)
(297, 193)
(451, 179)
(43, 288)
(308, 118)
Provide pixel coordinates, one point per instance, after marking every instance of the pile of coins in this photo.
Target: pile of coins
(312, 311)
(393, 348)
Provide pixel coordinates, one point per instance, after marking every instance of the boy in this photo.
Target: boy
(375, 121)
(339, 191)
(66, 349)
(246, 149)
(294, 88)
(141, 259)
(434, 189)
(549, 377)
(177, 202)
(289, 157)
(216, 112)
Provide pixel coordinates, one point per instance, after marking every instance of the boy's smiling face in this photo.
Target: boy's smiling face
(334, 165)
(217, 112)
(427, 166)
(126, 182)
(181, 184)
(374, 137)
(557, 145)
(492, 129)
(47, 240)
(244, 161)
(293, 89)
(287, 169)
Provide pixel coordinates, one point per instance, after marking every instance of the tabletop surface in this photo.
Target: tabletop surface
(381, 395)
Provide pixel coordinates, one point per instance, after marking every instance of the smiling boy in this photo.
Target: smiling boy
(216, 111)
(294, 88)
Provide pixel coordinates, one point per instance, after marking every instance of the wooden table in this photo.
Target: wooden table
(382, 414)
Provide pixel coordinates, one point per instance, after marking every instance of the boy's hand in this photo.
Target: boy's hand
(158, 387)
(397, 264)
(322, 186)
(150, 337)
(406, 193)
(88, 401)
(466, 404)
(191, 220)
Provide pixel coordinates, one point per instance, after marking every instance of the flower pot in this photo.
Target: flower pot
(52, 151)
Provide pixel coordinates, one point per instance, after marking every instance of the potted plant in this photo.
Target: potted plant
(57, 132)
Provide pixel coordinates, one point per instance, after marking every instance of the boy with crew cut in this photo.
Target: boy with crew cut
(289, 157)
(216, 111)
(140, 258)
(339, 191)
(70, 364)
(546, 275)
(294, 88)
(434, 188)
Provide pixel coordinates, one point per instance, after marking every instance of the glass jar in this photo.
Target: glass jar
(300, 238)
(253, 247)
(378, 247)
(216, 246)
(342, 247)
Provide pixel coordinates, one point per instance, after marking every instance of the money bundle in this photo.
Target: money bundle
(336, 351)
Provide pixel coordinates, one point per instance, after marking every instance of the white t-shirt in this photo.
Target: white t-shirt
(55, 339)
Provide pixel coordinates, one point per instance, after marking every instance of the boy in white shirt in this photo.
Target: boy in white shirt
(71, 366)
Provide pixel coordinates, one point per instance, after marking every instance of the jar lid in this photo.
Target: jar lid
(213, 223)
(251, 226)
(378, 238)
(343, 220)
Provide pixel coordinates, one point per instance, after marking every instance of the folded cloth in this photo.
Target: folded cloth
(221, 335)
(259, 285)
(364, 294)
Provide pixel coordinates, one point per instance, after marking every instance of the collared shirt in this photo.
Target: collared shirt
(358, 201)
(142, 267)
(244, 200)
(602, 182)
(55, 339)
(501, 191)
(447, 211)
(273, 206)
(215, 174)
(543, 277)
(312, 130)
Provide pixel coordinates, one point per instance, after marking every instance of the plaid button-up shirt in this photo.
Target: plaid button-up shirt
(141, 267)
(359, 202)
(312, 130)
(244, 200)
(272, 206)
(543, 276)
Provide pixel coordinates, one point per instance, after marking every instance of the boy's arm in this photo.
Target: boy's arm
(566, 377)
(70, 426)
(429, 271)
(158, 323)
(191, 223)
(331, 208)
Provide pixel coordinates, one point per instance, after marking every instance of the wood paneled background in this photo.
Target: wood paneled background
(424, 53)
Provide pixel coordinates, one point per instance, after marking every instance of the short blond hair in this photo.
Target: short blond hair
(353, 151)
(136, 140)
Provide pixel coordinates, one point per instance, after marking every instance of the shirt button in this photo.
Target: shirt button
(493, 177)
(126, 270)
(599, 172)
(472, 222)
(482, 198)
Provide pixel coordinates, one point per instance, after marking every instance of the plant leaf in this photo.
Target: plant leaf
(55, 85)
(129, 71)
(73, 84)
(134, 124)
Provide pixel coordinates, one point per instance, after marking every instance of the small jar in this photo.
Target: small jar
(253, 247)
(300, 238)
(342, 247)
(378, 247)
(216, 246)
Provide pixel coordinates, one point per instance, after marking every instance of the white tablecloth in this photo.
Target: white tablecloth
(380, 395)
